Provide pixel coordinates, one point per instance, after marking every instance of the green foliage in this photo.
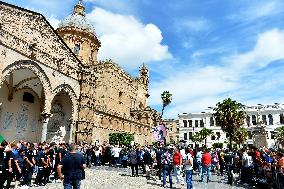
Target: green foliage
(279, 135)
(240, 136)
(202, 135)
(166, 98)
(217, 145)
(196, 138)
(230, 115)
(121, 138)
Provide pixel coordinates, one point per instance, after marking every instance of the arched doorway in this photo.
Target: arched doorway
(22, 99)
(60, 122)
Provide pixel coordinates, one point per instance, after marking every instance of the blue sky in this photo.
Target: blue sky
(201, 51)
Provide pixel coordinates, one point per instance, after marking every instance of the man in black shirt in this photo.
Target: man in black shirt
(42, 164)
(29, 165)
(7, 173)
(72, 165)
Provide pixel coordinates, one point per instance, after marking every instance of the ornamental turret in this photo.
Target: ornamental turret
(144, 75)
(79, 34)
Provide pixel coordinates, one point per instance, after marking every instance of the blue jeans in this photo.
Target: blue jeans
(188, 177)
(199, 167)
(207, 170)
(72, 184)
(167, 171)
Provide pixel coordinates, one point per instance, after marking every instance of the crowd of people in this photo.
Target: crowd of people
(38, 164)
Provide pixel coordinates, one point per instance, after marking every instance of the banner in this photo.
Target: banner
(159, 133)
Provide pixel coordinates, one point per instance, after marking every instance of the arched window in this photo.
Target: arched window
(211, 121)
(281, 119)
(185, 123)
(253, 118)
(248, 120)
(264, 119)
(270, 118)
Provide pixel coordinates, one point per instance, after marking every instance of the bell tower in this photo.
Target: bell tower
(79, 34)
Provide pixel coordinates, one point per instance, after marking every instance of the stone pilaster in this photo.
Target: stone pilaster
(45, 118)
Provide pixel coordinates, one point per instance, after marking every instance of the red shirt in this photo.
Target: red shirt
(176, 158)
(257, 154)
(206, 159)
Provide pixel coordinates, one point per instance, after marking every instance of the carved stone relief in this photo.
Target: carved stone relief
(22, 122)
(33, 125)
(8, 120)
(56, 121)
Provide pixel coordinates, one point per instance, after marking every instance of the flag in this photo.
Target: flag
(1, 139)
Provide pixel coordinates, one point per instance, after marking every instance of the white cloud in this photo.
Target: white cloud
(192, 24)
(258, 10)
(126, 40)
(194, 89)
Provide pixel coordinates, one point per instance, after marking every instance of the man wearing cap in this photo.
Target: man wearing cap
(72, 165)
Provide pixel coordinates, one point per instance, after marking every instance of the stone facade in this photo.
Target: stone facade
(77, 97)
(172, 126)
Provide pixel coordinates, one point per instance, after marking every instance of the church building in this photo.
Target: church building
(54, 88)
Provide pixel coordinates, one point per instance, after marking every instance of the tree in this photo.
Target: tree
(196, 138)
(240, 136)
(217, 145)
(279, 135)
(202, 135)
(166, 97)
(121, 138)
(205, 133)
(230, 115)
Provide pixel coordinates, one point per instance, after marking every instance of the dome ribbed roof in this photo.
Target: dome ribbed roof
(77, 19)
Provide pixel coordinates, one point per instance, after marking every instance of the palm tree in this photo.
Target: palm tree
(280, 135)
(196, 138)
(166, 99)
(240, 136)
(205, 133)
(230, 115)
(202, 135)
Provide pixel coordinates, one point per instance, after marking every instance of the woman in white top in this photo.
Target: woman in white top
(188, 169)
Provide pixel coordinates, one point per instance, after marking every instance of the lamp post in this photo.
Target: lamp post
(166, 97)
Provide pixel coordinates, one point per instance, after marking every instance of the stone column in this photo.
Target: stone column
(45, 118)
(71, 125)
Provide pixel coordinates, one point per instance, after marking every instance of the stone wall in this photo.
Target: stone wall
(18, 119)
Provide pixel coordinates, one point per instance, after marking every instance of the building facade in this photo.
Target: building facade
(53, 87)
(172, 127)
(268, 117)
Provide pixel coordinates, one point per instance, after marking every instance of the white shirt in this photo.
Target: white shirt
(182, 152)
(116, 151)
(247, 160)
(199, 156)
(188, 158)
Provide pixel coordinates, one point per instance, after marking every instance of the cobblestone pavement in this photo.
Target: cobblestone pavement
(118, 178)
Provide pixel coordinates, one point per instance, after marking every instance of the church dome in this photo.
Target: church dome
(77, 19)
